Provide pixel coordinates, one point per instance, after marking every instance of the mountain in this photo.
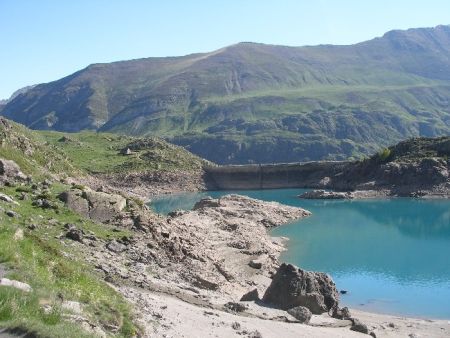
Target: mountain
(23, 90)
(261, 103)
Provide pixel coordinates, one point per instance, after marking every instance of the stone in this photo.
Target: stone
(103, 206)
(343, 313)
(6, 198)
(256, 263)
(207, 202)
(10, 170)
(358, 326)
(255, 334)
(251, 296)
(18, 235)
(323, 194)
(32, 226)
(126, 151)
(236, 326)
(301, 313)
(43, 203)
(116, 247)
(98, 206)
(291, 287)
(15, 284)
(235, 306)
(75, 234)
(72, 306)
(74, 201)
(11, 213)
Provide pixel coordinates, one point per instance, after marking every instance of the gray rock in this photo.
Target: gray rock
(256, 263)
(15, 284)
(343, 313)
(255, 334)
(10, 170)
(43, 203)
(291, 287)
(236, 326)
(75, 234)
(235, 307)
(6, 198)
(358, 326)
(72, 306)
(98, 206)
(251, 296)
(32, 226)
(116, 247)
(322, 194)
(74, 201)
(103, 206)
(11, 213)
(301, 313)
(207, 202)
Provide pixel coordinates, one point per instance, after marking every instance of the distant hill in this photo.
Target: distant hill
(261, 103)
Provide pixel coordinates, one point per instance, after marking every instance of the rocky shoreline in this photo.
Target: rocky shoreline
(211, 271)
(214, 265)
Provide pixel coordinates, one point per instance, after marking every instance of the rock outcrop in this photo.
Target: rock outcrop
(325, 195)
(209, 248)
(293, 287)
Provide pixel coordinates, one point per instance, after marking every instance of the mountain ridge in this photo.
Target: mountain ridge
(238, 95)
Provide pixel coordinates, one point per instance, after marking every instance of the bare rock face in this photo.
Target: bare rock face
(293, 287)
(98, 206)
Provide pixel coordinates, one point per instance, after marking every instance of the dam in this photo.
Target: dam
(273, 176)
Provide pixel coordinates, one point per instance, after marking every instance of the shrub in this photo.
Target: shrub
(384, 154)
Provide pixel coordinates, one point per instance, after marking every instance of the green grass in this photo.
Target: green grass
(31, 152)
(54, 270)
(101, 153)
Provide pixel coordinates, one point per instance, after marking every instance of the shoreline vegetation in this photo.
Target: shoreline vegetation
(82, 255)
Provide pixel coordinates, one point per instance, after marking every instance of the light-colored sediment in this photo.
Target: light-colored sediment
(168, 316)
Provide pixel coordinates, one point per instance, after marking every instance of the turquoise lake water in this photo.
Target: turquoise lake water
(391, 255)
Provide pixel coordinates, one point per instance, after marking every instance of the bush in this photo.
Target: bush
(384, 154)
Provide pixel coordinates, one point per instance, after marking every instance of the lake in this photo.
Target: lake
(391, 255)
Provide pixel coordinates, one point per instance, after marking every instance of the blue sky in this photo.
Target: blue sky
(43, 40)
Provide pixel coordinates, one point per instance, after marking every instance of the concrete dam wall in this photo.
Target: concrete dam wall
(269, 176)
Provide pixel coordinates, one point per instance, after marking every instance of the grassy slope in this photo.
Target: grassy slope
(101, 153)
(416, 149)
(56, 268)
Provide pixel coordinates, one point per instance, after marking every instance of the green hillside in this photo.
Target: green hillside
(261, 103)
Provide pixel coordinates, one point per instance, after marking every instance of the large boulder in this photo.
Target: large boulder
(104, 206)
(10, 170)
(75, 201)
(293, 287)
(98, 206)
